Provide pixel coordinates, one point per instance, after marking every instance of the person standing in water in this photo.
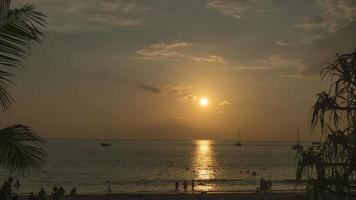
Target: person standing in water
(73, 192)
(177, 186)
(193, 185)
(42, 194)
(185, 186)
(269, 183)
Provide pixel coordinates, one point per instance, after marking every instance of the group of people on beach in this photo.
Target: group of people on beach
(185, 186)
(6, 191)
(57, 193)
(265, 185)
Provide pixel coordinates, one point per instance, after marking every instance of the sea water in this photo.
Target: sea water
(155, 165)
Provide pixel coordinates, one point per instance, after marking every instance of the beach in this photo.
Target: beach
(200, 196)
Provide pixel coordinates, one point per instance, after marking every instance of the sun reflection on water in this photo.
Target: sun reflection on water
(204, 163)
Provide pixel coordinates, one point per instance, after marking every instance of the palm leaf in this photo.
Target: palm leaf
(20, 148)
(17, 31)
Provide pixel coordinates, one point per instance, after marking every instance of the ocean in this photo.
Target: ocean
(154, 166)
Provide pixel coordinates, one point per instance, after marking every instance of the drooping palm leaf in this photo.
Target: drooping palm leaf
(17, 31)
(20, 148)
(329, 169)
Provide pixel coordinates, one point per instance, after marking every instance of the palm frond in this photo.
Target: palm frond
(17, 32)
(21, 148)
(329, 168)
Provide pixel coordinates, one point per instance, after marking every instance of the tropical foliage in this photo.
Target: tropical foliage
(20, 146)
(329, 168)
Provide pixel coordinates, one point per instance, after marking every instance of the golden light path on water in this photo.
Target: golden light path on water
(204, 163)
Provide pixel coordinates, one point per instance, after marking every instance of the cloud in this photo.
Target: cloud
(180, 92)
(173, 50)
(146, 87)
(182, 119)
(235, 8)
(336, 14)
(310, 23)
(227, 7)
(85, 15)
(225, 104)
(282, 44)
(270, 63)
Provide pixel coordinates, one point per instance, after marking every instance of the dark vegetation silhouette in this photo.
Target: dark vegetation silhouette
(21, 148)
(329, 167)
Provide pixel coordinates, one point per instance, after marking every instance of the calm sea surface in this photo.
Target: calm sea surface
(154, 166)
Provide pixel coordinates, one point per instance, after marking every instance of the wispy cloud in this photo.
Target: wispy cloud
(182, 119)
(84, 15)
(146, 87)
(310, 23)
(282, 44)
(180, 92)
(235, 8)
(225, 104)
(228, 7)
(336, 14)
(269, 63)
(286, 66)
(174, 50)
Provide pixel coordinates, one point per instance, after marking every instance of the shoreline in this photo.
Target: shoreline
(279, 191)
(243, 195)
(190, 196)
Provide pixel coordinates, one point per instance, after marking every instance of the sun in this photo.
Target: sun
(204, 101)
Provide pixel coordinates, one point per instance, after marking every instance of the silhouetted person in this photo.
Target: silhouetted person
(73, 192)
(17, 184)
(257, 190)
(193, 185)
(31, 197)
(269, 183)
(15, 197)
(254, 173)
(6, 190)
(42, 194)
(185, 186)
(55, 193)
(10, 179)
(177, 186)
(263, 185)
(61, 191)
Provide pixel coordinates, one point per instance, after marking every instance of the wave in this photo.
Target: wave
(204, 181)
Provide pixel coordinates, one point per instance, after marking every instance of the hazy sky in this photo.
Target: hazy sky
(138, 68)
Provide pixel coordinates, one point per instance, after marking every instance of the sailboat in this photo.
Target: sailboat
(297, 146)
(238, 143)
(106, 143)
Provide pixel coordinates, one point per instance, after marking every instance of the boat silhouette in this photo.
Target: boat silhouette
(238, 143)
(105, 143)
(297, 146)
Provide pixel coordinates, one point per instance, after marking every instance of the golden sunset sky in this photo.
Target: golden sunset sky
(138, 69)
